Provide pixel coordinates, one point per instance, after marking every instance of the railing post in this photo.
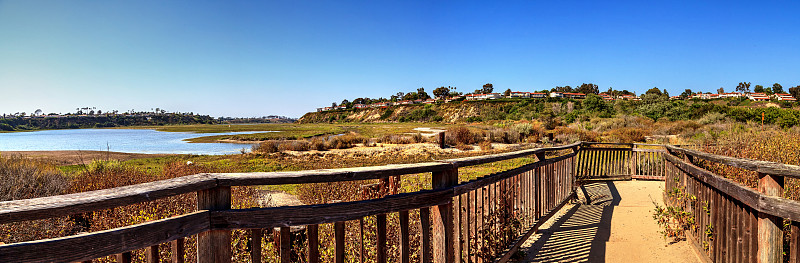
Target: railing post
(770, 234)
(214, 245)
(442, 219)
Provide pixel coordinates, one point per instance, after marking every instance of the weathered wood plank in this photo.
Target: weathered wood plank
(405, 234)
(62, 205)
(214, 246)
(255, 245)
(469, 161)
(381, 238)
(329, 175)
(313, 243)
(425, 225)
(770, 234)
(326, 213)
(443, 232)
(338, 233)
(151, 254)
(108, 242)
(178, 250)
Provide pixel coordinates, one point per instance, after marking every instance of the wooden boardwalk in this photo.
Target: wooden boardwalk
(615, 225)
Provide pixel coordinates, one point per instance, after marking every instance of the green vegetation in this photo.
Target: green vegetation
(99, 121)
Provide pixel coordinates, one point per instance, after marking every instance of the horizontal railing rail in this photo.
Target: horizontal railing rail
(534, 190)
(734, 223)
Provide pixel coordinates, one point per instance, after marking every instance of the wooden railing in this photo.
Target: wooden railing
(620, 160)
(460, 222)
(734, 223)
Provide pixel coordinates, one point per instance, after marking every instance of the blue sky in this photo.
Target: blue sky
(254, 58)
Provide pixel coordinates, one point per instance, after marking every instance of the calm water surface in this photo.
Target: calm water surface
(118, 140)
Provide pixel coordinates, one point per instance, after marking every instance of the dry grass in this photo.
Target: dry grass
(24, 178)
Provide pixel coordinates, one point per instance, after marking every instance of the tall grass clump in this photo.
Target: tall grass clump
(24, 178)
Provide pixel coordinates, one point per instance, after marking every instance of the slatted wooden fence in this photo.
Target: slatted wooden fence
(734, 223)
(475, 221)
(620, 160)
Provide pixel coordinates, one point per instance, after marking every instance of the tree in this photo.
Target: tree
(345, 103)
(654, 91)
(562, 89)
(487, 88)
(665, 92)
(777, 88)
(587, 88)
(411, 96)
(37, 112)
(441, 92)
(795, 91)
(594, 103)
(720, 90)
(333, 104)
(758, 89)
(687, 93)
(422, 95)
(743, 87)
(507, 93)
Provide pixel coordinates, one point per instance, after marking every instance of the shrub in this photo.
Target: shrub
(485, 146)
(270, 146)
(23, 178)
(460, 135)
(712, 117)
(473, 119)
(464, 147)
(628, 135)
(294, 145)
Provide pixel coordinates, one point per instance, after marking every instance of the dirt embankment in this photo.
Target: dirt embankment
(446, 112)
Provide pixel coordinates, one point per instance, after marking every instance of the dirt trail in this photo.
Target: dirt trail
(615, 226)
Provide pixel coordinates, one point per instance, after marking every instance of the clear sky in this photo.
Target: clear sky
(255, 58)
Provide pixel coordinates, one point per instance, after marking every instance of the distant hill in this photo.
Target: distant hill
(100, 121)
(565, 111)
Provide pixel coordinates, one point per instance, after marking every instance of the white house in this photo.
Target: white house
(520, 94)
(785, 97)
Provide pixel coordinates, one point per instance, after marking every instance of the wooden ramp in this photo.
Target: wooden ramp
(614, 224)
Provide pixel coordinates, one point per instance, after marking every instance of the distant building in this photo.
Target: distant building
(520, 94)
(556, 94)
(538, 95)
(575, 95)
(784, 97)
(605, 96)
(487, 96)
(758, 97)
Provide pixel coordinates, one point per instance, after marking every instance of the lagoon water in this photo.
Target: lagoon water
(117, 140)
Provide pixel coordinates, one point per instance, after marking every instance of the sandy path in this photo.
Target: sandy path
(616, 226)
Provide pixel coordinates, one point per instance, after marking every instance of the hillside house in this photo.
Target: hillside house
(520, 94)
(606, 97)
(784, 97)
(575, 95)
(556, 94)
(360, 106)
(758, 97)
(487, 96)
(730, 95)
(538, 95)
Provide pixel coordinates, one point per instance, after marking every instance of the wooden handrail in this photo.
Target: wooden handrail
(62, 205)
(764, 167)
(204, 222)
(772, 205)
(729, 217)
